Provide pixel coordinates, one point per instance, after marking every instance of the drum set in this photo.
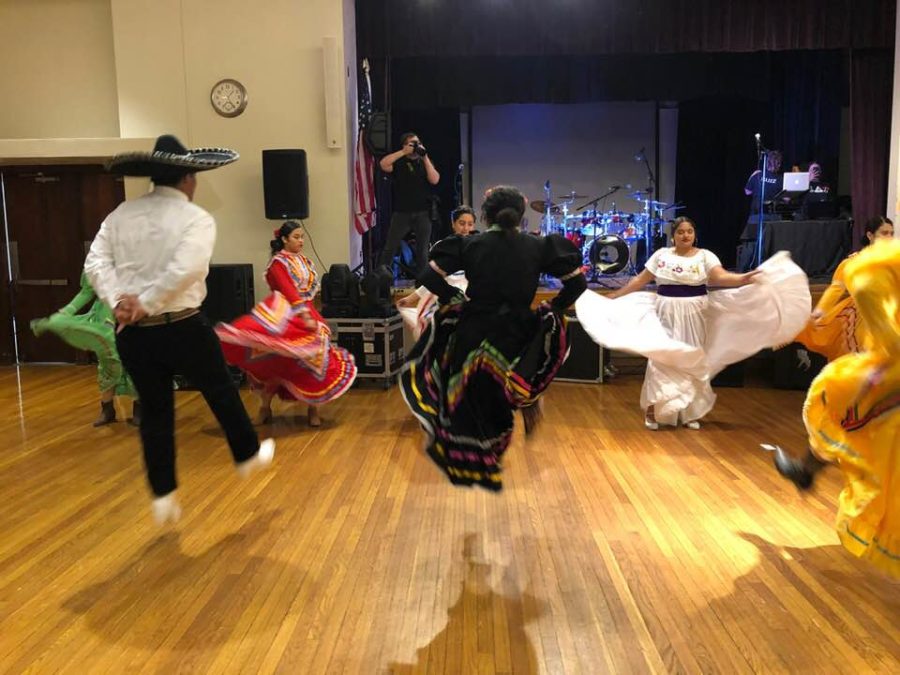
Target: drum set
(612, 241)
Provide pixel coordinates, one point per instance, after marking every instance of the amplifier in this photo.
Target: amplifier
(586, 358)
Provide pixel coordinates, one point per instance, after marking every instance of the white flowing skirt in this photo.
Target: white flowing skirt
(416, 318)
(687, 341)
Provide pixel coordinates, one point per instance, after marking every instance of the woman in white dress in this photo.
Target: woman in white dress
(689, 335)
(417, 307)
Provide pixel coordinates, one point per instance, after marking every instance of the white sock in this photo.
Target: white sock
(166, 508)
(260, 460)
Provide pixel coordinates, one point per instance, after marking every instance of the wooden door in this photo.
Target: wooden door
(7, 349)
(53, 214)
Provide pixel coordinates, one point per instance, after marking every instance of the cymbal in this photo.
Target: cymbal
(541, 206)
(566, 196)
(640, 195)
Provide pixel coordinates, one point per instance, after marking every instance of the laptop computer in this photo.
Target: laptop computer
(796, 182)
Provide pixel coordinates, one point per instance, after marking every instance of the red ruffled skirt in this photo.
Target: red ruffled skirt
(283, 356)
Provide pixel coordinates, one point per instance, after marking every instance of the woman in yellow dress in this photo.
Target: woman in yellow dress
(834, 328)
(852, 415)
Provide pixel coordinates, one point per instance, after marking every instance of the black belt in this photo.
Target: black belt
(166, 318)
(680, 290)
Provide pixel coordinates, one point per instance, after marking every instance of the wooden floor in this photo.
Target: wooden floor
(612, 549)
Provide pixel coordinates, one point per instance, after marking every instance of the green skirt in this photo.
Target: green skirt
(82, 332)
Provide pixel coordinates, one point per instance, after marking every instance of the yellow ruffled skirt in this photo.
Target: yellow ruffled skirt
(852, 414)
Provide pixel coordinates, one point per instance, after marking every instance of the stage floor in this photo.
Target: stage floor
(611, 549)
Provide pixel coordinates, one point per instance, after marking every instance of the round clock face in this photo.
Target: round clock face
(228, 98)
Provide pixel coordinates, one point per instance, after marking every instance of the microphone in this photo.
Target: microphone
(615, 187)
(640, 156)
(757, 137)
(460, 168)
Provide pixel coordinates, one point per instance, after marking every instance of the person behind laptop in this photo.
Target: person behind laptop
(819, 202)
(817, 181)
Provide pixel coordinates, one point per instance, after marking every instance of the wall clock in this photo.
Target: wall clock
(228, 97)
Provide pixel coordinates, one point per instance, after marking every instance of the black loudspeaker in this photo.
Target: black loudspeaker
(229, 292)
(378, 134)
(796, 367)
(586, 357)
(285, 184)
(732, 376)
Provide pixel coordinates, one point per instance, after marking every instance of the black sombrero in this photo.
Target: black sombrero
(170, 156)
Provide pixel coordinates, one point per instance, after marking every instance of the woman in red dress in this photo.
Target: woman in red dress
(284, 345)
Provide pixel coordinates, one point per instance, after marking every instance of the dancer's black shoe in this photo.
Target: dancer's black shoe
(801, 472)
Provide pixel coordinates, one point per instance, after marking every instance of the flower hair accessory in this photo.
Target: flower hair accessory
(277, 232)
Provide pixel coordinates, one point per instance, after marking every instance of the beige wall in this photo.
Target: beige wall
(151, 64)
(893, 201)
(58, 75)
(275, 49)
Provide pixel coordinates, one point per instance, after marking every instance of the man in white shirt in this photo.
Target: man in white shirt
(149, 262)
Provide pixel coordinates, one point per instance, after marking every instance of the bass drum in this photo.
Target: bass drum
(609, 254)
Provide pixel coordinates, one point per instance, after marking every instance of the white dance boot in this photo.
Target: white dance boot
(260, 460)
(166, 509)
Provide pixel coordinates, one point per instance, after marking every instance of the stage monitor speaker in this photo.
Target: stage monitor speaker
(731, 376)
(229, 292)
(796, 367)
(586, 357)
(285, 184)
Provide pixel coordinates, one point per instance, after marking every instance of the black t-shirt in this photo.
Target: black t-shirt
(411, 187)
(773, 187)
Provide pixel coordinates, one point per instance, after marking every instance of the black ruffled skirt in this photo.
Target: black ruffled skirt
(469, 371)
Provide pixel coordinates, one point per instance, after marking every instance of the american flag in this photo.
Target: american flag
(364, 166)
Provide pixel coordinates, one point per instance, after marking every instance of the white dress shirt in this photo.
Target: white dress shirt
(157, 247)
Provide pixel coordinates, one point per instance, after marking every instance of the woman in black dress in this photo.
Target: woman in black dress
(487, 353)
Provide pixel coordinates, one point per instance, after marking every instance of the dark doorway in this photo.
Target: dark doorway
(53, 214)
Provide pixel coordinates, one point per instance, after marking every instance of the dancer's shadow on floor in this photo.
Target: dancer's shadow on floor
(161, 585)
(794, 598)
(469, 636)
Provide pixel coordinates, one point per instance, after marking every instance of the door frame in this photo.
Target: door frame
(57, 152)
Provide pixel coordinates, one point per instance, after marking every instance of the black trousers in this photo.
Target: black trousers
(401, 223)
(153, 355)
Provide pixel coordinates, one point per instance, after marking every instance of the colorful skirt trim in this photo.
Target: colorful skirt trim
(285, 357)
(467, 411)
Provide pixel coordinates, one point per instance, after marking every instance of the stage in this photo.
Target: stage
(611, 549)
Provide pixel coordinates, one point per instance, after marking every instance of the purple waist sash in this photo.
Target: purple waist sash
(680, 291)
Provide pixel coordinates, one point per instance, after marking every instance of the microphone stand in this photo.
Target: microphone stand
(548, 206)
(764, 160)
(594, 202)
(651, 192)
